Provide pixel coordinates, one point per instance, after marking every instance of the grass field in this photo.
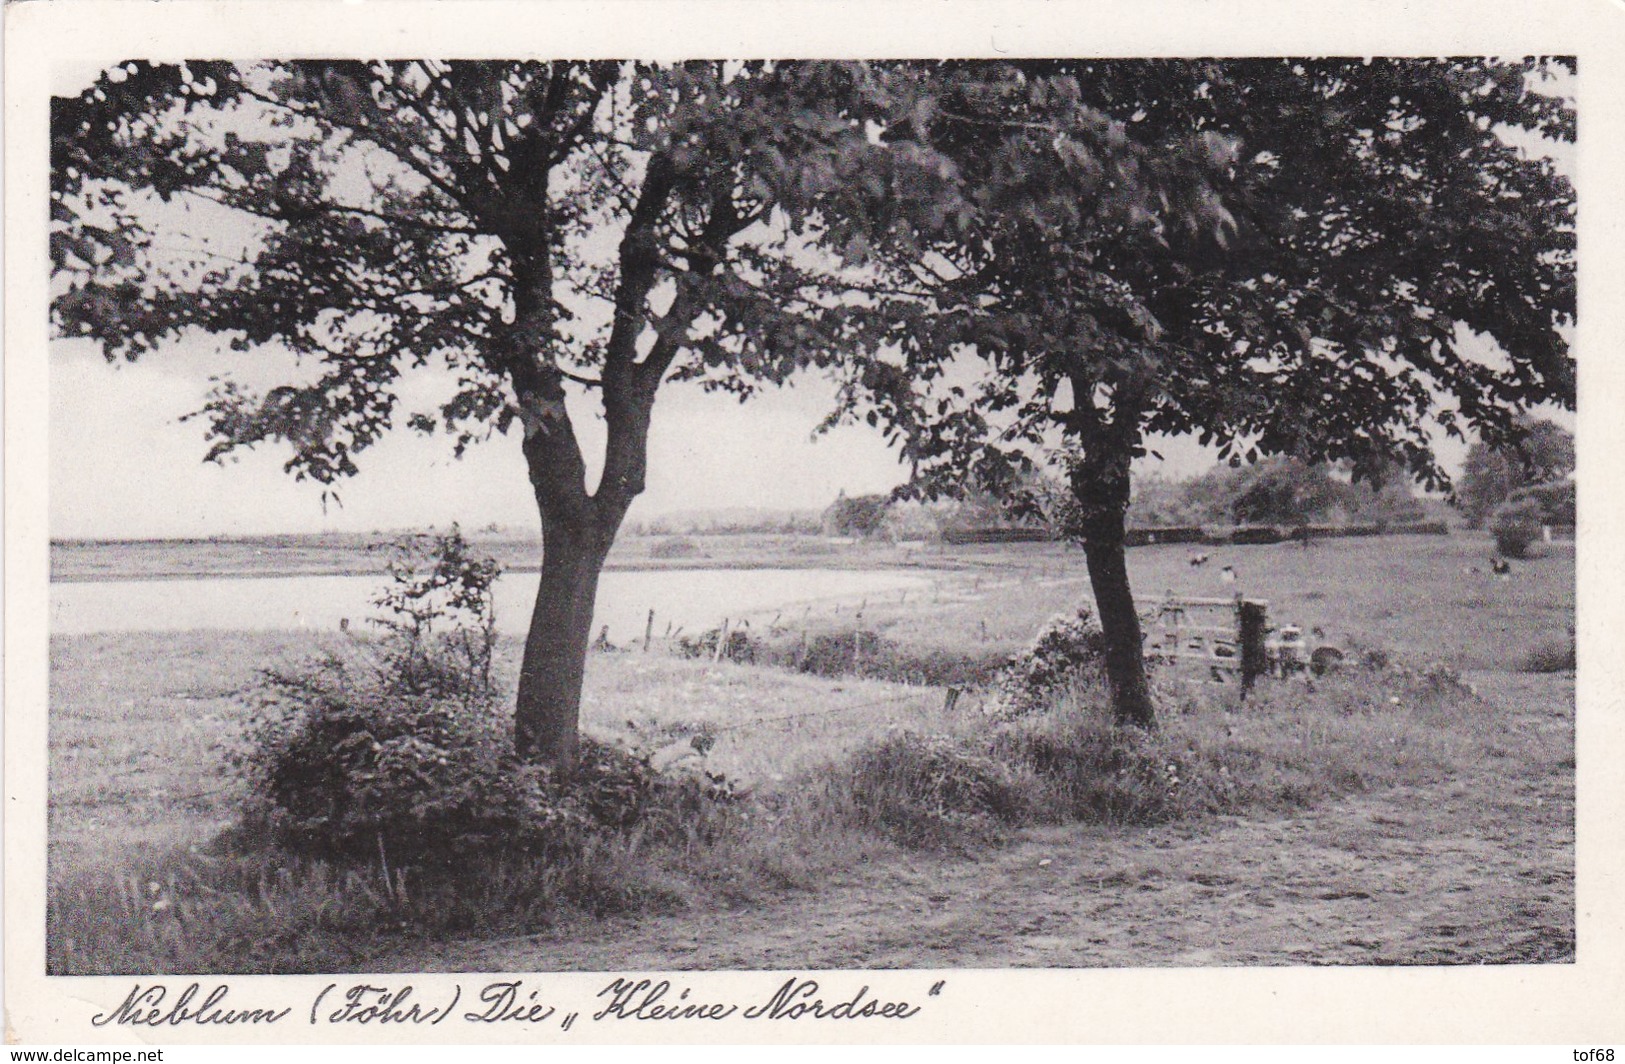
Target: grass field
(1399, 793)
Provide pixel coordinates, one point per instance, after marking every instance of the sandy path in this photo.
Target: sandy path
(1478, 871)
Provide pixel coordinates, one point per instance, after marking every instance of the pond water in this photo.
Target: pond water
(693, 599)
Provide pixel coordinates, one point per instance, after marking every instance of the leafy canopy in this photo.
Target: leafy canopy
(1278, 256)
(523, 225)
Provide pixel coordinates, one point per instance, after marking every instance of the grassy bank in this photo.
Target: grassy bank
(831, 778)
(834, 772)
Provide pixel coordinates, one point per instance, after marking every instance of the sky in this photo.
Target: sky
(123, 464)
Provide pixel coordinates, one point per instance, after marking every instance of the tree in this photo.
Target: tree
(536, 230)
(860, 515)
(1283, 491)
(1491, 475)
(1558, 501)
(1282, 257)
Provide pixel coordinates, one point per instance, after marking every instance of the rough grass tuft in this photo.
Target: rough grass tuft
(1550, 655)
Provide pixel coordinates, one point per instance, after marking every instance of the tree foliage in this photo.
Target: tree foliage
(1280, 257)
(856, 515)
(388, 215)
(532, 230)
(1492, 474)
(1277, 256)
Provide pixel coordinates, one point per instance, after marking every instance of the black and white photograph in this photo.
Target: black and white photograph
(1098, 511)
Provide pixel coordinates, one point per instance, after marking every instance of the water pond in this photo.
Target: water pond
(693, 599)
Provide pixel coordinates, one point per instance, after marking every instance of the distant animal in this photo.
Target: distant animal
(1324, 660)
(1198, 559)
(1228, 574)
(1470, 570)
(1500, 566)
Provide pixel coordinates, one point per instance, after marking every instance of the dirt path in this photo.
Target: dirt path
(1476, 871)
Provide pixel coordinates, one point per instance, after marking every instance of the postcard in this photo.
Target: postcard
(813, 522)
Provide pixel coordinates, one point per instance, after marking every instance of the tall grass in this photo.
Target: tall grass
(840, 758)
(952, 782)
(1289, 746)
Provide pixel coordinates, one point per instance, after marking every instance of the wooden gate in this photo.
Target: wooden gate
(1217, 638)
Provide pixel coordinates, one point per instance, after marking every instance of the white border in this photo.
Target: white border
(1579, 1003)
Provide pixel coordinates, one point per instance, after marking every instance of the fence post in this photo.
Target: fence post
(648, 631)
(1252, 623)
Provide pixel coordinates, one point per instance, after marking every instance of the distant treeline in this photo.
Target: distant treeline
(1252, 502)
(736, 521)
(1141, 537)
(1276, 491)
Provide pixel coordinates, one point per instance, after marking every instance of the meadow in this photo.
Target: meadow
(1417, 808)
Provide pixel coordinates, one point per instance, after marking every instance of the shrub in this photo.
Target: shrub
(1557, 501)
(1516, 524)
(1551, 655)
(1090, 770)
(437, 581)
(841, 653)
(401, 751)
(855, 516)
(740, 647)
(1066, 650)
(862, 652)
(343, 763)
(1075, 764)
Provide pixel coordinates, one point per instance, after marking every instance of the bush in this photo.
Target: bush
(1066, 651)
(855, 516)
(931, 790)
(1556, 500)
(401, 751)
(1516, 524)
(1551, 655)
(867, 653)
(1091, 771)
(940, 791)
(739, 648)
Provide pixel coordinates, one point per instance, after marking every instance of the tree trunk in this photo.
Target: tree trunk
(577, 527)
(1120, 624)
(548, 713)
(1100, 484)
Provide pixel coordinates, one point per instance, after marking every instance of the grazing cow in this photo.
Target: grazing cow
(1198, 560)
(1500, 566)
(1228, 574)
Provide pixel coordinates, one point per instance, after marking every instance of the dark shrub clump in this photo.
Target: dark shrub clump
(401, 750)
(1516, 524)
